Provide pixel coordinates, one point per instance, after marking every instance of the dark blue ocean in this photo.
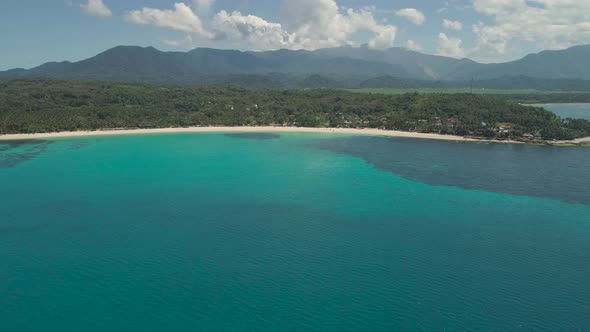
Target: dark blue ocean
(292, 232)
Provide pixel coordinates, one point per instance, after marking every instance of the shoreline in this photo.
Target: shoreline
(267, 129)
(558, 103)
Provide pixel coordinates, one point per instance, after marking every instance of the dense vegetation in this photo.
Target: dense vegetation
(29, 106)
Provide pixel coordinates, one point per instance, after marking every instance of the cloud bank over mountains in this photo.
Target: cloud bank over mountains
(308, 24)
(496, 29)
(548, 24)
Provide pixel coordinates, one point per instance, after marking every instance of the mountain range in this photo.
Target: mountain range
(347, 67)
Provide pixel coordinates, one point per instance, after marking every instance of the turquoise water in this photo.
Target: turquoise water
(292, 232)
(574, 111)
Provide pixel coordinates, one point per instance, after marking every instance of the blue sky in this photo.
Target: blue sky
(36, 31)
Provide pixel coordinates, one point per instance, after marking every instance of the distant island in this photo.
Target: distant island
(45, 106)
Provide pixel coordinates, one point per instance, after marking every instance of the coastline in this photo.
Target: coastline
(557, 103)
(267, 129)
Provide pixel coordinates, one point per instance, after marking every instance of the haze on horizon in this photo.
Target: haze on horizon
(36, 31)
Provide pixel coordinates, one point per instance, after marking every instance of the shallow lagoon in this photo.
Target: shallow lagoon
(296, 232)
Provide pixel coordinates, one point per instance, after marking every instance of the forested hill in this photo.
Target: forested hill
(32, 106)
(345, 67)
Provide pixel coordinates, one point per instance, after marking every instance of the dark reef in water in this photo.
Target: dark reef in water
(15, 152)
(254, 136)
(7, 145)
(538, 171)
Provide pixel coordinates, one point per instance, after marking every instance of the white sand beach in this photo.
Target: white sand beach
(268, 129)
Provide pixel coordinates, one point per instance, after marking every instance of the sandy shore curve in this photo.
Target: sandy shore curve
(261, 129)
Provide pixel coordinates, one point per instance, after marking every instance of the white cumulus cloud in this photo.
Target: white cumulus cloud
(384, 37)
(258, 33)
(452, 25)
(305, 24)
(186, 42)
(308, 24)
(412, 45)
(96, 8)
(449, 46)
(203, 6)
(321, 23)
(545, 24)
(412, 14)
(181, 18)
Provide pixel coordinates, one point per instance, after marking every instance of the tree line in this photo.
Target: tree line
(34, 106)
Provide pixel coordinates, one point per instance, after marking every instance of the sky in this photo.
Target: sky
(33, 32)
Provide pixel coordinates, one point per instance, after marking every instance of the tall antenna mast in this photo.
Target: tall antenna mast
(471, 85)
